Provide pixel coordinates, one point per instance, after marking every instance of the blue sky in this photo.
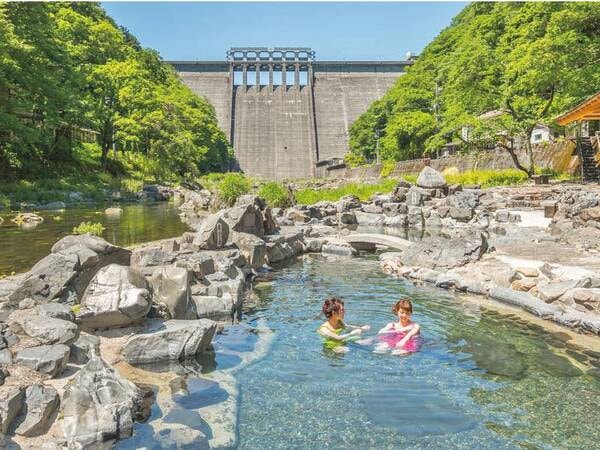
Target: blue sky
(340, 31)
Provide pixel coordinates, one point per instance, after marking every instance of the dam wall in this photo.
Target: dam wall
(273, 135)
(343, 91)
(212, 81)
(286, 115)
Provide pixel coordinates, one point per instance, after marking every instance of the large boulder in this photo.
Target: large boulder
(252, 247)
(117, 296)
(213, 233)
(11, 404)
(170, 340)
(415, 196)
(245, 219)
(213, 306)
(525, 300)
(369, 219)
(41, 403)
(99, 405)
(444, 254)
(48, 359)
(66, 272)
(47, 330)
(147, 258)
(171, 287)
(284, 246)
(431, 179)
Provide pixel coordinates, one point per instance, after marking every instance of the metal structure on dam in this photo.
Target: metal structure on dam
(286, 114)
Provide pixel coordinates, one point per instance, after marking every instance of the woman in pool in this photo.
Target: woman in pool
(403, 336)
(333, 329)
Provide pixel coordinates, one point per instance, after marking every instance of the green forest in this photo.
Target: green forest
(79, 93)
(530, 61)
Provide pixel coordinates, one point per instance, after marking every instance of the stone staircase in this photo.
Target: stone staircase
(589, 166)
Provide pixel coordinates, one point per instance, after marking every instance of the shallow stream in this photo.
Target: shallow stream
(21, 247)
(483, 379)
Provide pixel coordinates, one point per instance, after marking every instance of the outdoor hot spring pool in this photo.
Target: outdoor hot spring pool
(483, 379)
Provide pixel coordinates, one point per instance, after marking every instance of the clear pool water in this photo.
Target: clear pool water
(482, 379)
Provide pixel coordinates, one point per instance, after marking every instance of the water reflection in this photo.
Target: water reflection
(22, 247)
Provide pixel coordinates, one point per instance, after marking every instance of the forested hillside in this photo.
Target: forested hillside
(528, 60)
(66, 68)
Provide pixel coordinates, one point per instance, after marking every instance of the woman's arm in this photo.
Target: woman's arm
(324, 331)
(387, 329)
(413, 331)
(357, 327)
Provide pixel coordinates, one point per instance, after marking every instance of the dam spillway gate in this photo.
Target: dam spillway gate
(286, 114)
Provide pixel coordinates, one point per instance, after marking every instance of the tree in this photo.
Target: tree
(531, 60)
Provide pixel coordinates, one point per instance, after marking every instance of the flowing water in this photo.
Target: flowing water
(21, 247)
(484, 378)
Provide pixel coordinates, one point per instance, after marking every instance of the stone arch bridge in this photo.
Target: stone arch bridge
(286, 114)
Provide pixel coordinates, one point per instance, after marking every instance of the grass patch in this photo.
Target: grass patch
(231, 186)
(276, 195)
(361, 190)
(89, 227)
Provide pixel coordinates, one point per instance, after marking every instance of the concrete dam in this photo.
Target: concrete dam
(287, 115)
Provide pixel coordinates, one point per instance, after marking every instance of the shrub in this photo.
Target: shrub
(232, 186)
(4, 201)
(89, 227)
(386, 168)
(276, 194)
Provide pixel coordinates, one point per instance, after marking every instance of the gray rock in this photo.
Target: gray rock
(151, 256)
(368, 219)
(444, 254)
(430, 178)
(211, 306)
(347, 203)
(117, 296)
(400, 191)
(171, 287)
(392, 209)
(399, 221)
(283, 246)
(27, 303)
(48, 330)
(11, 404)
(472, 286)
(433, 221)
(295, 215)
(48, 359)
(39, 408)
(55, 311)
(5, 357)
(201, 263)
(84, 348)
(212, 235)
(372, 208)
(502, 216)
(415, 218)
(67, 271)
(465, 200)
(461, 214)
(415, 197)
(245, 219)
(447, 280)
(171, 340)
(339, 248)
(424, 274)
(252, 247)
(525, 300)
(551, 291)
(347, 218)
(99, 405)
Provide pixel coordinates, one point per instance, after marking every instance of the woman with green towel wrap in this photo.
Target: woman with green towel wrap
(333, 330)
